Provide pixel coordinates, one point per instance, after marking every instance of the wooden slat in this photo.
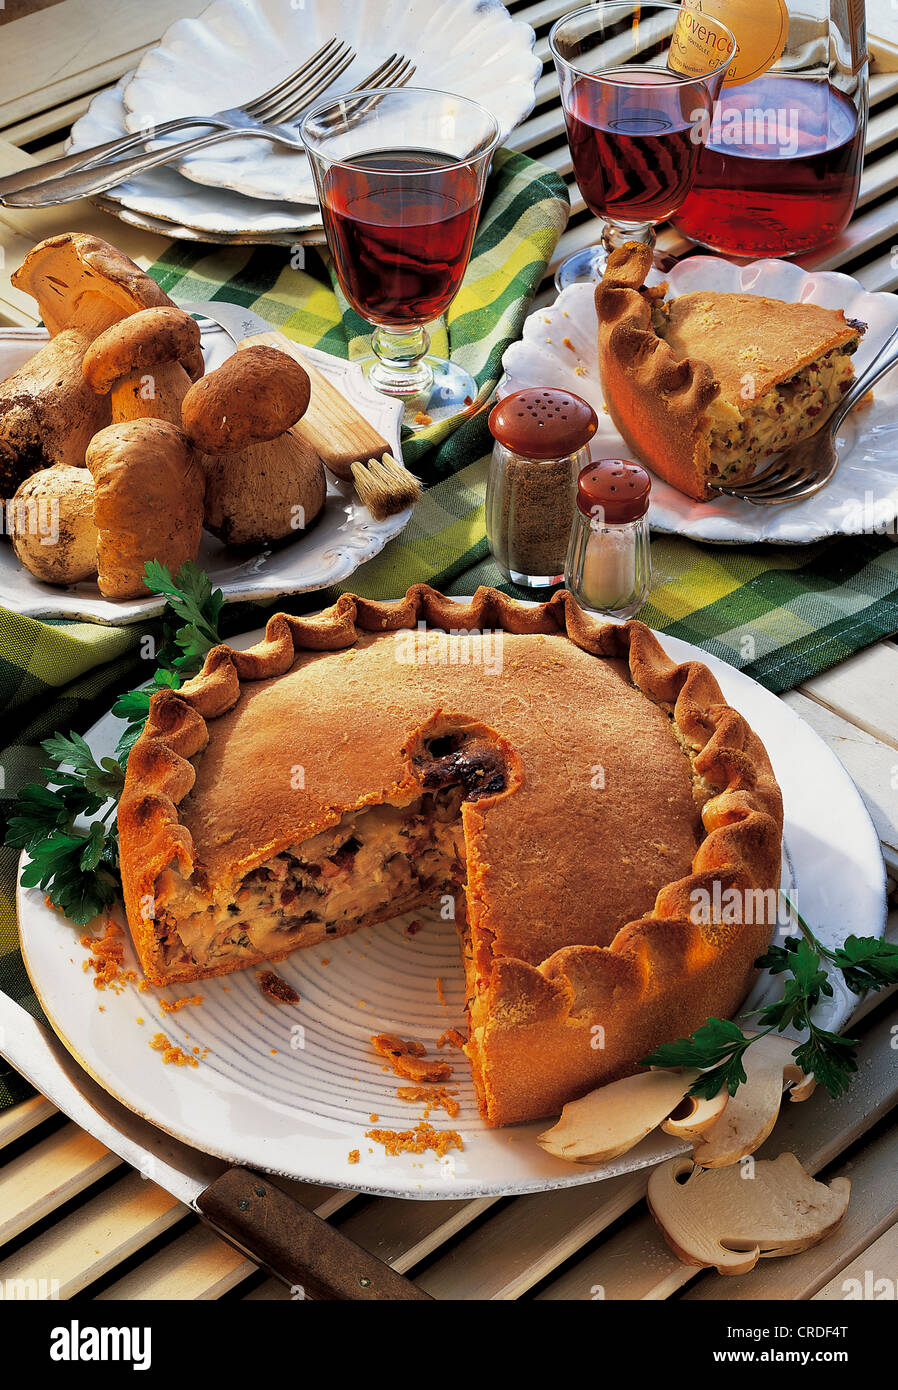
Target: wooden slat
(91, 1241)
(636, 1263)
(79, 45)
(403, 1233)
(22, 1118)
(862, 690)
(529, 1238)
(872, 764)
(878, 1261)
(43, 1178)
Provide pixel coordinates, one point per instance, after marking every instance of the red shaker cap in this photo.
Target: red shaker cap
(543, 423)
(617, 486)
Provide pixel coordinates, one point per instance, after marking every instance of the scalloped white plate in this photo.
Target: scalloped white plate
(344, 537)
(239, 48)
(863, 494)
(165, 196)
(291, 1089)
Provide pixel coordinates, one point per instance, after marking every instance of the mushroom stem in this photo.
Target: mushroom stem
(154, 394)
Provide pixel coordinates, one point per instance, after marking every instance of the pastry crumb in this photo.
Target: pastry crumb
(353, 1156)
(407, 1058)
(172, 1006)
(421, 1139)
(276, 989)
(422, 418)
(172, 1055)
(451, 1038)
(434, 1098)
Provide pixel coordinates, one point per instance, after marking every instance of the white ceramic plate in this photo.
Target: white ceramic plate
(290, 1089)
(863, 494)
(239, 48)
(344, 537)
(165, 195)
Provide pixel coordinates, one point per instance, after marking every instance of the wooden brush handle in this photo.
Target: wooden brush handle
(334, 428)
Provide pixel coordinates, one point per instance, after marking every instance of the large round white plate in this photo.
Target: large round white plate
(239, 48)
(195, 213)
(291, 1089)
(863, 494)
(344, 536)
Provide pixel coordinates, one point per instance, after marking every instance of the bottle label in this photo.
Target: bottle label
(760, 28)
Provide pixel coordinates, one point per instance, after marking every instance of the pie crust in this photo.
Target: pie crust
(600, 785)
(707, 386)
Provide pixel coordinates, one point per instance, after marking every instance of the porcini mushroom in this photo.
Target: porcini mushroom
(145, 363)
(148, 503)
(614, 1118)
(51, 524)
(752, 1112)
(263, 482)
(717, 1219)
(48, 413)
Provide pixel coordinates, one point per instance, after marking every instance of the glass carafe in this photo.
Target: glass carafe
(780, 169)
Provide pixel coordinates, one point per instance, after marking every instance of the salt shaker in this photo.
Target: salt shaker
(608, 567)
(542, 443)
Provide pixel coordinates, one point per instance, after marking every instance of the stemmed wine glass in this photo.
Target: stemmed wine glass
(400, 176)
(638, 87)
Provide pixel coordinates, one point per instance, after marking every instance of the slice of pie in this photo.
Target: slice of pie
(576, 792)
(706, 387)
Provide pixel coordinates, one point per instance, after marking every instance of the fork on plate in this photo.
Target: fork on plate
(808, 466)
(266, 121)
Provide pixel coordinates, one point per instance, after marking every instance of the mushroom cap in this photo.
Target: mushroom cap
(253, 397)
(80, 281)
(140, 342)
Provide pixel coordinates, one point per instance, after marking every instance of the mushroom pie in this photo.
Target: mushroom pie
(708, 386)
(586, 804)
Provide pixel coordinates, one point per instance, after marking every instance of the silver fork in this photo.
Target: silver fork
(808, 466)
(332, 51)
(395, 71)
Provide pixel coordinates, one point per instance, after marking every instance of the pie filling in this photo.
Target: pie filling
(374, 862)
(789, 412)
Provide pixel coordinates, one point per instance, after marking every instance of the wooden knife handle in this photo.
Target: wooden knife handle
(295, 1244)
(336, 430)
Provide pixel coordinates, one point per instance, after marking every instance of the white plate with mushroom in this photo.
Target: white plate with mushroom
(344, 536)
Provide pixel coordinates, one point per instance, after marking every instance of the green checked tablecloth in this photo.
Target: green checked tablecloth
(804, 608)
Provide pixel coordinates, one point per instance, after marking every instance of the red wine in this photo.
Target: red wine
(781, 170)
(634, 139)
(401, 245)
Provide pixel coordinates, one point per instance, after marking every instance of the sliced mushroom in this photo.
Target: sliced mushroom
(145, 364)
(263, 482)
(696, 1115)
(614, 1118)
(148, 503)
(752, 1112)
(725, 1220)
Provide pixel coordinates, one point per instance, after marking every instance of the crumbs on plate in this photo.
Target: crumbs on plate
(408, 1059)
(172, 1055)
(276, 989)
(421, 1139)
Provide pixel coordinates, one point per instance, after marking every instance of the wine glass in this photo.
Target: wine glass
(400, 175)
(638, 87)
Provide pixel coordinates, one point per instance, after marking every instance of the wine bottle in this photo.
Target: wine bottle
(781, 162)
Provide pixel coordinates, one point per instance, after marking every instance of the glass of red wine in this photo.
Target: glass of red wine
(637, 114)
(400, 176)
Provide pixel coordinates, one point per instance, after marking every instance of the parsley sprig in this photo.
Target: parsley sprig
(76, 864)
(716, 1048)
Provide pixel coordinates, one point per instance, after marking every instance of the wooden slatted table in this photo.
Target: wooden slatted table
(68, 1205)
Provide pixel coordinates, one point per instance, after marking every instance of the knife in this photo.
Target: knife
(246, 1209)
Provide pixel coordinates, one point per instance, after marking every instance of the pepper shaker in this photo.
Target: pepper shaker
(608, 566)
(541, 444)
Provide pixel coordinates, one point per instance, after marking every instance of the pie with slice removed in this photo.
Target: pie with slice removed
(572, 794)
(706, 387)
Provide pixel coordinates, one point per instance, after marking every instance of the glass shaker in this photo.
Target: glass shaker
(609, 566)
(541, 444)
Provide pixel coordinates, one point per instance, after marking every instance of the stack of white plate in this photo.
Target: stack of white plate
(250, 191)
